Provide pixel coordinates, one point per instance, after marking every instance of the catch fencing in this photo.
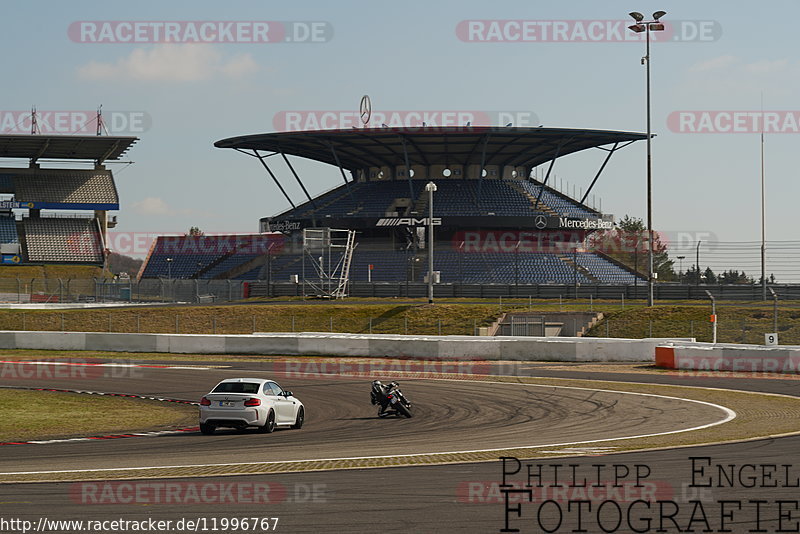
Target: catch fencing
(58, 290)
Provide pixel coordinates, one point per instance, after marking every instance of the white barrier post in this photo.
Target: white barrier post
(774, 310)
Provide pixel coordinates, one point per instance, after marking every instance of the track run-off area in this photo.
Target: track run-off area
(458, 417)
(347, 470)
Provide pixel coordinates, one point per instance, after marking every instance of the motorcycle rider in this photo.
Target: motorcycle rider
(378, 396)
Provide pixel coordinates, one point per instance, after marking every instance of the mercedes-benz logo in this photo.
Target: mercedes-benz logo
(365, 109)
(540, 222)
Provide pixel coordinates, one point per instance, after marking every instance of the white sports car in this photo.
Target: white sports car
(244, 402)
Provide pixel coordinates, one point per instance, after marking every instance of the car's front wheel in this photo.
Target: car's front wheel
(207, 429)
(269, 426)
(298, 421)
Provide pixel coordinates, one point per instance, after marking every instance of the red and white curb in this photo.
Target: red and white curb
(108, 436)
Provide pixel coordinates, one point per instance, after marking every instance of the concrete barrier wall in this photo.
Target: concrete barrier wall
(728, 357)
(353, 345)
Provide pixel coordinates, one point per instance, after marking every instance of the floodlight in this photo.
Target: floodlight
(638, 17)
(658, 14)
(657, 27)
(638, 28)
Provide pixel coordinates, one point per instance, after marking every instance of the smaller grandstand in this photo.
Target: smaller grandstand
(57, 214)
(62, 240)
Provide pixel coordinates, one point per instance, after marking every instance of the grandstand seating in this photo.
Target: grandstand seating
(6, 183)
(469, 197)
(497, 267)
(453, 198)
(389, 265)
(66, 186)
(192, 255)
(362, 199)
(204, 256)
(8, 230)
(62, 240)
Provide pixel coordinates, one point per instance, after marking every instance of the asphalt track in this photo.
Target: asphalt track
(449, 416)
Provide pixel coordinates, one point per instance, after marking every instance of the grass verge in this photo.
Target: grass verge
(29, 415)
(737, 323)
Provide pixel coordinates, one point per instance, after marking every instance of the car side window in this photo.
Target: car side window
(267, 389)
(276, 389)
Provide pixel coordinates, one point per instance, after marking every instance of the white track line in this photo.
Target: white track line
(729, 416)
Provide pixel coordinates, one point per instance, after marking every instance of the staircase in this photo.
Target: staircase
(566, 258)
(544, 208)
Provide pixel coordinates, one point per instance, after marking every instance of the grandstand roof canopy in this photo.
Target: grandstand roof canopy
(374, 147)
(88, 147)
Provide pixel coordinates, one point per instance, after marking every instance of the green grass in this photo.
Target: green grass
(43, 415)
(735, 324)
(241, 319)
(738, 322)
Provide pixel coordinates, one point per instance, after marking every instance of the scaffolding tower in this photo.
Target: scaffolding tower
(330, 252)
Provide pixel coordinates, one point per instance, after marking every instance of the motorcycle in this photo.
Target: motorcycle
(390, 399)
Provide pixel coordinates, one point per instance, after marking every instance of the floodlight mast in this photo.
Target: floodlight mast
(646, 27)
(430, 187)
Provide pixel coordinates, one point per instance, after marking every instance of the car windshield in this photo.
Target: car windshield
(236, 387)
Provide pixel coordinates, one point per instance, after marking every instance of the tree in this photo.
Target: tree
(692, 276)
(709, 277)
(195, 231)
(734, 277)
(119, 263)
(627, 244)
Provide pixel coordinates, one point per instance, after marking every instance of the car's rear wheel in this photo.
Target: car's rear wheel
(298, 421)
(207, 429)
(269, 426)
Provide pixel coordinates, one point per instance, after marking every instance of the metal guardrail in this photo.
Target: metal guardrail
(743, 292)
(18, 290)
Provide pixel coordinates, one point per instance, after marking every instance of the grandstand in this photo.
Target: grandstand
(58, 213)
(495, 223)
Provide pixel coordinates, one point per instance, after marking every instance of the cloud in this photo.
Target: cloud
(152, 206)
(768, 66)
(171, 63)
(733, 81)
(158, 206)
(716, 63)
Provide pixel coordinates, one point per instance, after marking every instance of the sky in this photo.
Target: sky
(181, 97)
